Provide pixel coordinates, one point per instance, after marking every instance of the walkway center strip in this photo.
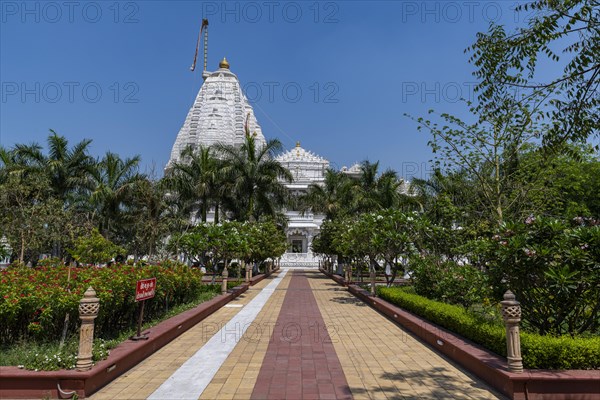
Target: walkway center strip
(190, 380)
(301, 361)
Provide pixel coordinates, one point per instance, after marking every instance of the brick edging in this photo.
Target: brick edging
(255, 279)
(19, 383)
(531, 384)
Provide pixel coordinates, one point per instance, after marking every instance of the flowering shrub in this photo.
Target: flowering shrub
(34, 302)
(553, 267)
(448, 281)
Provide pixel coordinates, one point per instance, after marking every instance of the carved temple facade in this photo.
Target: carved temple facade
(218, 115)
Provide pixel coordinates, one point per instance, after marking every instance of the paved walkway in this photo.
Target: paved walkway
(296, 335)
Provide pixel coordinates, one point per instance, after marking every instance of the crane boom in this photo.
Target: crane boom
(203, 29)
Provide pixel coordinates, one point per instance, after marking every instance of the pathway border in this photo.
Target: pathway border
(529, 385)
(16, 383)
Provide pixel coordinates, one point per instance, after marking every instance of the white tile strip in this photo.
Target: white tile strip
(190, 380)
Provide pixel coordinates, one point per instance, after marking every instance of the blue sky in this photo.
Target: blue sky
(337, 76)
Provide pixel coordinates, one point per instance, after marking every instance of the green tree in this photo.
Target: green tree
(564, 31)
(328, 198)
(94, 249)
(373, 191)
(151, 217)
(197, 180)
(265, 240)
(568, 178)
(113, 184)
(255, 178)
(488, 151)
(68, 169)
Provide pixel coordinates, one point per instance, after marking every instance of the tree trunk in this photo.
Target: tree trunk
(373, 277)
(22, 253)
(203, 210)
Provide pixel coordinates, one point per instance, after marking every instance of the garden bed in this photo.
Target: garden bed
(531, 384)
(20, 383)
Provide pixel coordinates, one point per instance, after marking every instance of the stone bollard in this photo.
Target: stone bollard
(225, 275)
(247, 267)
(89, 306)
(511, 312)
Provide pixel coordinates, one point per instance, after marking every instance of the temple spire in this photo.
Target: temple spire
(224, 63)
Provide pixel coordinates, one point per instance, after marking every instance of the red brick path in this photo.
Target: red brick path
(300, 362)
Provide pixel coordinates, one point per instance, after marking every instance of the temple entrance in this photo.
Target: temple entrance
(297, 244)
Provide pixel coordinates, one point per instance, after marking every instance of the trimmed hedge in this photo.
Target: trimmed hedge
(539, 352)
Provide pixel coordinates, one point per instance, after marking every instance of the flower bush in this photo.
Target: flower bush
(553, 266)
(449, 281)
(34, 302)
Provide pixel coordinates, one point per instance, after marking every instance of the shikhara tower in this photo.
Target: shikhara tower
(219, 114)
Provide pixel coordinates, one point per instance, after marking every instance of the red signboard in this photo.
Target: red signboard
(145, 289)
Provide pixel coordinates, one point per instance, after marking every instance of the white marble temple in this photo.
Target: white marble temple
(219, 114)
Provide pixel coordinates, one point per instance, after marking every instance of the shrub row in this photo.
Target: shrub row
(34, 302)
(543, 352)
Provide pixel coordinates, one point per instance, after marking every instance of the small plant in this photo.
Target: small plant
(95, 249)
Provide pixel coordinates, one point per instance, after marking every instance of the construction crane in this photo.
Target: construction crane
(203, 29)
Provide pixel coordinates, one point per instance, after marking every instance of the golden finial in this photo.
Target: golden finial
(224, 63)
(297, 144)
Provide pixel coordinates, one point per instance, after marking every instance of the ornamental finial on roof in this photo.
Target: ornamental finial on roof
(224, 63)
(297, 144)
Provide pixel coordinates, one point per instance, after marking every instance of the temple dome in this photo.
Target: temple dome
(304, 165)
(298, 154)
(218, 115)
(354, 171)
(224, 63)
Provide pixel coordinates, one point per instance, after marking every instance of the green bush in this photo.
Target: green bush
(448, 281)
(544, 352)
(34, 301)
(553, 266)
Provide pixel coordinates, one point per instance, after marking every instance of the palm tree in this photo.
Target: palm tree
(373, 191)
(113, 181)
(68, 169)
(255, 178)
(198, 180)
(152, 216)
(389, 189)
(330, 198)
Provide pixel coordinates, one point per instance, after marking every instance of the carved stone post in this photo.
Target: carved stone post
(247, 268)
(225, 275)
(511, 312)
(89, 306)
